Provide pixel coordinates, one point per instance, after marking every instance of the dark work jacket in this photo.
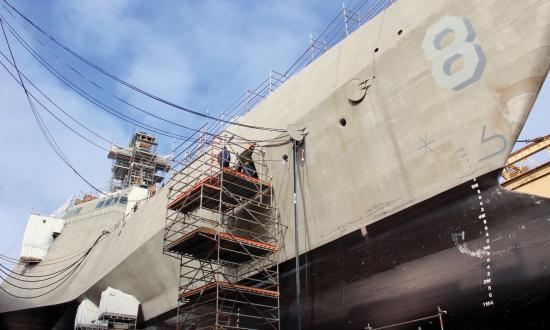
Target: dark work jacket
(246, 156)
(224, 156)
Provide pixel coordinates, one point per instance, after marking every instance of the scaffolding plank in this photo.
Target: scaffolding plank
(190, 199)
(202, 242)
(222, 285)
(235, 186)
(242, 185)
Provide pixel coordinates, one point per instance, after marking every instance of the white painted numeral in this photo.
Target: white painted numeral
(488, 303)
(462, 47)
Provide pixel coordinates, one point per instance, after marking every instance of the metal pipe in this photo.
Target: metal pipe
(296, 240)
(345, 18)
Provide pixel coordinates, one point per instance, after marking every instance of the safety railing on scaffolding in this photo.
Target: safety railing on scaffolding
(223, 226)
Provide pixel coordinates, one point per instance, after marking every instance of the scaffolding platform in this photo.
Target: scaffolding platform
(243, 185)
(202, 242)
(190, 199)
(234, 184)
(226, 287)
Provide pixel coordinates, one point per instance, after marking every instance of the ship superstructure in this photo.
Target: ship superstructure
(138, 164)
(407, 122)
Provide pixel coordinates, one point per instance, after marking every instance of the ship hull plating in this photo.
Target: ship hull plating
(477, 251)
(402, 268)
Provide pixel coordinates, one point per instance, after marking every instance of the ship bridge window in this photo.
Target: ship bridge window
(73, 212)
(108, 202)
(100, 204)
(123, 200)
(116, 200)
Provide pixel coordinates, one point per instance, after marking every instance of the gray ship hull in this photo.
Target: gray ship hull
(364, 278)
(400, 170)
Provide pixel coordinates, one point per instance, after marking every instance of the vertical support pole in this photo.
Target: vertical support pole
(248, 100)
(217, 300)
(185, 160)
(440, 313)
(203, 171)
(296, 239)
(345, 18)
(174, 163)
(270, 80)
(179, 292)
(222, 118)
(278, 235)
(311, 46)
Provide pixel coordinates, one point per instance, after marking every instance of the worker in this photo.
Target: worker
(246, 163)
(224, 157)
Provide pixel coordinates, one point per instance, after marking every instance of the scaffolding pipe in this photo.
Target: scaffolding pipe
(345, 18)
(296, 239)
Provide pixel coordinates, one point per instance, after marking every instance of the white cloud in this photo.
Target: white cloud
(101, 25)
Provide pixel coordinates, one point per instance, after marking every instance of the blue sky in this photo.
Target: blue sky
(201, 54)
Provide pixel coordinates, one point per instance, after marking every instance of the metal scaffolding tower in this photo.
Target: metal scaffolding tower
(138, 164)
(223, 226)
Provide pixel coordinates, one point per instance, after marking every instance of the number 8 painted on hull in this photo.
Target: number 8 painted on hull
(462, 47)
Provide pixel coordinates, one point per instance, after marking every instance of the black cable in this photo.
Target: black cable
(92, 99)
(37, 280)
(296, 238)
(53, 261)
(32, 51)
(43, 128)
(135, 88)
(70, 128)
(47, 276)
(60, 153)
(45, 293)
(55, 104)
(49, 137)
(16, 260)
(102, 105)
(52, 114)
(537, 139)
(61, 282)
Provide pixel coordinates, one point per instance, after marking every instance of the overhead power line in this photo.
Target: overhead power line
(273, 142)
(71, 85)
(47, 134)
(52, 261)
(53, 115)
(43, 128)
(57, 282)
(133, 87)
